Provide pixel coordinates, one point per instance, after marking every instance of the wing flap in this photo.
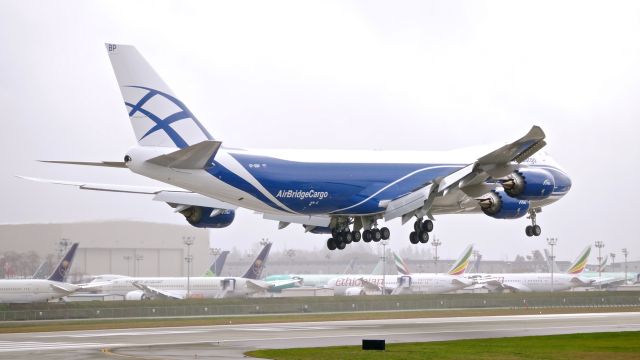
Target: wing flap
(313, 220)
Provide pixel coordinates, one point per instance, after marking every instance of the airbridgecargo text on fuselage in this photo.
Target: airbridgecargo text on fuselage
(299, 194)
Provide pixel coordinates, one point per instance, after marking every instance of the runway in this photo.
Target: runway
(230, 341)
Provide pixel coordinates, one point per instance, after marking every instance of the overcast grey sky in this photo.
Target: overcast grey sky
(412, 75)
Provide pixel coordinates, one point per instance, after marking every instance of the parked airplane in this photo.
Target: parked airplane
(428, 283)
(141, 288)
(406, 282)
(603, 278)
(534, 282)
(317, 280)
(40, 290)
(342, 193)
(216, 267)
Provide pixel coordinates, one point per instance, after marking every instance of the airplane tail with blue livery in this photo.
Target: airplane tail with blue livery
(254, 271)
(61, 271)
(216, 267)
(345, 194)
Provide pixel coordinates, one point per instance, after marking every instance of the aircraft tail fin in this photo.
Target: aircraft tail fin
(580, 263)
(158, 118)
(216, 267)
(603, 264)
(255, 269)
(402, 267)
(60, 272)
(460, 266)
(350, 266)
(377, 270)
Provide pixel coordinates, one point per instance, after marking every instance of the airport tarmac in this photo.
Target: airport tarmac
(231, 341)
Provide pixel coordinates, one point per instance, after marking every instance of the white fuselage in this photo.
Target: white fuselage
(531, 282)
(199, 287)
(424, 283)
(32, 290)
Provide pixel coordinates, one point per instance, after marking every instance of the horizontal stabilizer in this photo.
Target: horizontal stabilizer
(195, 157)
(113, 164)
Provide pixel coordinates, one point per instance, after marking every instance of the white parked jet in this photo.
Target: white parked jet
(40, 290)
(538, 282)
(427, 283)
(342, 193)
(141, 288)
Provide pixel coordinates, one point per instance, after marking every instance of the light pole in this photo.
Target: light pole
(552, 242)
(613, 262)
(63, 245)
(384, 263)
(435, 243)
(625, 252)
(188, 240)
(476, 255)
(599, 245)
(128, 258)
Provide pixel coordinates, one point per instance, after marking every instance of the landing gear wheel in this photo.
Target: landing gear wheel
(427, 226)
(423, 237)
(377, 235)
(417, 226)
(341, 245)
(385, 233)
(356, 236)
(331, 244)
(348, 238)
(413, 237)
(536, 230)
(334, 232)
(529, 230)
(366, 236)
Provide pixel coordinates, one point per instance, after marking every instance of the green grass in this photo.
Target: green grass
(595, 346)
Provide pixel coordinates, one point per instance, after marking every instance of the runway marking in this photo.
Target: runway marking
(123, 333)
(287, 328)
(14, 346)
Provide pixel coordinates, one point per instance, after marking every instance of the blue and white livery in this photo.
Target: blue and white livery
(342, 193)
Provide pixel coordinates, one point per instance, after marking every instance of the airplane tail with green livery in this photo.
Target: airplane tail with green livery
(580, 263)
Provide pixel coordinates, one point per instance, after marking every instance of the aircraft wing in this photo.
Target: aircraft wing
(284, 284)
(68, 289)
(461, 282)
(170, 195)
(257, 285)
(153, 292)
(581, 281)
(469, 178)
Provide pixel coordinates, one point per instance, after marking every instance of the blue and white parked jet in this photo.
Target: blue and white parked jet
(342, 193)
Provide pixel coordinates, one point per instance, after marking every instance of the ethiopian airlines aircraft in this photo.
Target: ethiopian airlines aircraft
(342, 193)
(40, 290)
(535, 282)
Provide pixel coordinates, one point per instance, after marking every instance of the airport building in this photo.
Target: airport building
(113, 247)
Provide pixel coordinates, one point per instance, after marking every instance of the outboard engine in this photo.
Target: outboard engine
(136, 295)
(354, 291)
(204, 217)
(499, 205)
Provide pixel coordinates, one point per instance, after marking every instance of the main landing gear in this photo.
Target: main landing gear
(421, 231)
(533, 229)
(341, 238)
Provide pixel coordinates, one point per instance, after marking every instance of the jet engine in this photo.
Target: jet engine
(499, 205)
(354, 291)
(204, 217)
(529, 184)
(136, 295)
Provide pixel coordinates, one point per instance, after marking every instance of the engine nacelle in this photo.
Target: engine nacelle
(499, 205)
(204, 217)
(136, 295)
(354, 291)
(529, 184)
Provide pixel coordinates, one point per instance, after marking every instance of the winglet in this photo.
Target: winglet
(518, 150)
